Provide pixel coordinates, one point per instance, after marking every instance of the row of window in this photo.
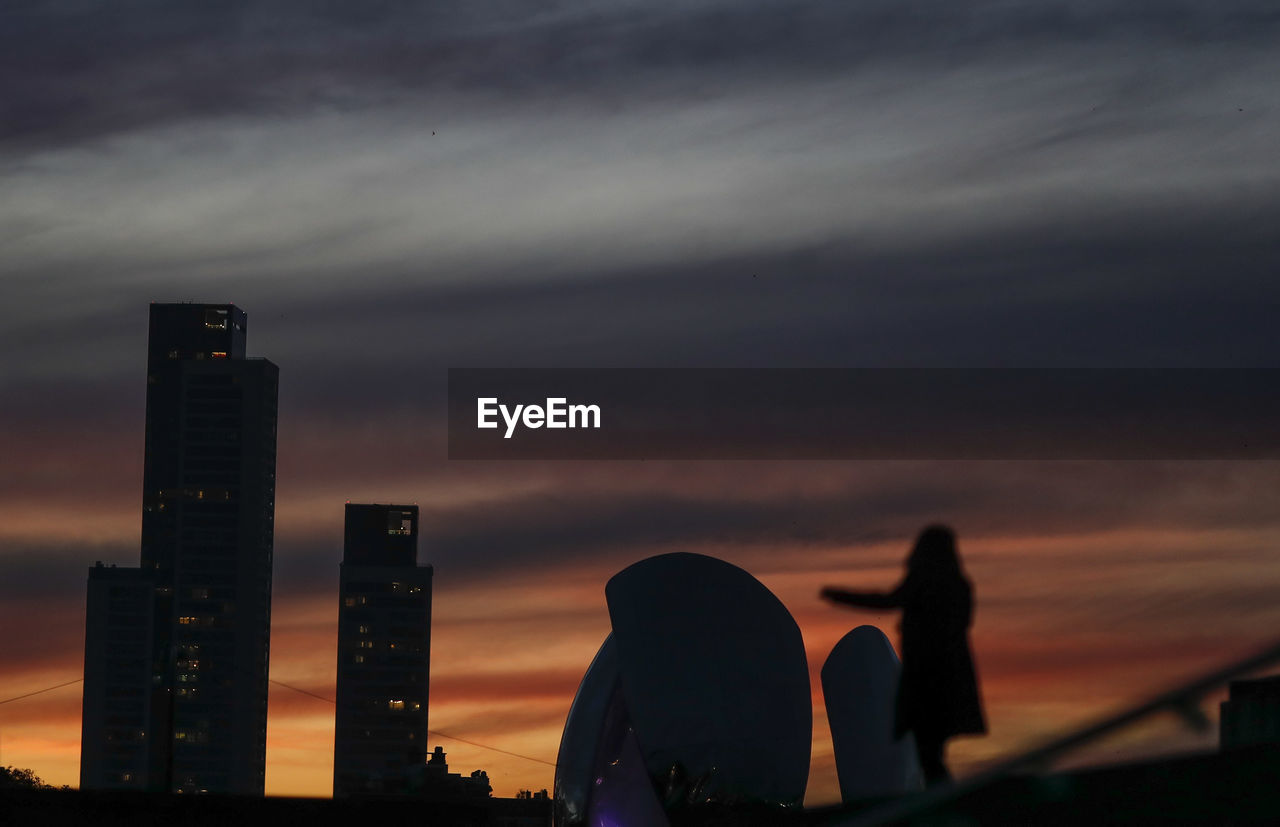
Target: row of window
(383, 587)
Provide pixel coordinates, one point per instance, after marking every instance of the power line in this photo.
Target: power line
(38, 692)
(310, 694)
(447, 737)
(304, 692)
(434, 732)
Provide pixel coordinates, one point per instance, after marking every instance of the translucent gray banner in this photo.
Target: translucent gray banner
(881, 414)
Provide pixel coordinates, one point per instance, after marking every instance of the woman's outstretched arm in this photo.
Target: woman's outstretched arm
(866, 600)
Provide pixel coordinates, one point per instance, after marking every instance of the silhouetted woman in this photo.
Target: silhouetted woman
(937, 690)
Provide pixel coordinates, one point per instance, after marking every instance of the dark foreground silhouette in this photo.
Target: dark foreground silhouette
(938, 688)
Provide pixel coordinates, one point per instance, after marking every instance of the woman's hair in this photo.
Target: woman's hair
(934, 555)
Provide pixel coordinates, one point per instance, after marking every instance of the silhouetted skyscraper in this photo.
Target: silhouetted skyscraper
(384, 654)
(198, 664)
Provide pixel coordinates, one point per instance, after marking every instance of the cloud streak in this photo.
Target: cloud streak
(91, 73)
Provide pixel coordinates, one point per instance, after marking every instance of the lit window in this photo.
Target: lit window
(364, 630)
(395, 706)
(400, 523)
(349, 602)
(359, 658)
(188, 621)
(219, 354)
(366, 644)
(215, 319)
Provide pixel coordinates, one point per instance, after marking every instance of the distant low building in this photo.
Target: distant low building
(1251, 713)
(433, 781)
(527, 809)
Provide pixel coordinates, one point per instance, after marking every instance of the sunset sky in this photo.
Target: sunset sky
(393, 189)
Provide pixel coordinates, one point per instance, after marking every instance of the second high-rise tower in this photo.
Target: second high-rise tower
(384, 654)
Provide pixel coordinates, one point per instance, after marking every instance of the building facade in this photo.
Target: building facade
(116, 750)
(1251, 713)
(384, 654)
(207, 539)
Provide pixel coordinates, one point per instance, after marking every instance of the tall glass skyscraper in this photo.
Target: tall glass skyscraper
(176, 651)
(384, 654)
